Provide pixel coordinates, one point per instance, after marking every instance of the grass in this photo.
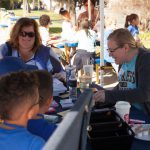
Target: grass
(53, 16)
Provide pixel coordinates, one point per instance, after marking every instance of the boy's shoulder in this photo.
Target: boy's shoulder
(46, 129)
(25, 139)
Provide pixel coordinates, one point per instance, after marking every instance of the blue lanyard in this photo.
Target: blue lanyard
(13, 125)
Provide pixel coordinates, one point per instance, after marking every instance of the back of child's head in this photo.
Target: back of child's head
(45, 86)
(44, 20)
(84, 24)
(65, 14)
(63, 11)
(18, 93)
(129, 19)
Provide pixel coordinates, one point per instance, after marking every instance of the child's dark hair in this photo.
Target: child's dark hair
(63, 12)
(44, 20)
(129, 19)
(45, 86)
(16, 90)
(92, 1)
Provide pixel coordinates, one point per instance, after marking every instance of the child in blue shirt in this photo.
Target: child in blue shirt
(19, 102)
(39, 126)
(131, 23)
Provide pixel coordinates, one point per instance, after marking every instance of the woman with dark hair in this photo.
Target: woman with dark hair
(25, 42)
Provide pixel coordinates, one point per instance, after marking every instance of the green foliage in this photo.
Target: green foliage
(145, 38)
(55, 30)
(56, 19)
(53, 16)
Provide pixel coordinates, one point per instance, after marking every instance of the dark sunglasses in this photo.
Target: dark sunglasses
(113, 50)
(29, 34)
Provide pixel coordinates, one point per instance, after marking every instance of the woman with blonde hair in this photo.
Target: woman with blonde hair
(133, 75)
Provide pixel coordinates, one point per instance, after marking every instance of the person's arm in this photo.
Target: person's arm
(57, 67)
(3, 50)
(139, 94)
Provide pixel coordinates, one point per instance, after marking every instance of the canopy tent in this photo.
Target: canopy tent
(101, 2)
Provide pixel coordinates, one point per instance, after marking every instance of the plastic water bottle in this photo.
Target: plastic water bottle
(73, 86)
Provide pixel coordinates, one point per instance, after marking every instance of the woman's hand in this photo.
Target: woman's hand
(99, 96)
(60, 76)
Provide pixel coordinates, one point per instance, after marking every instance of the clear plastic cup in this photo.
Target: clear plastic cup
(88, 70)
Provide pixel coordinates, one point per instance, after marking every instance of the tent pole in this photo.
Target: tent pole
(101, 2)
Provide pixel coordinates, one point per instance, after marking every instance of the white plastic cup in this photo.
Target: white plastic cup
(88, 70)
(123, 109)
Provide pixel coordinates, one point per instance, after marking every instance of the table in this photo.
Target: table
(139, 144)
(68, 45)
(134, 114)
(2, 25)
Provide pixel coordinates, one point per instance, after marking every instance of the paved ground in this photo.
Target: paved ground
(110, 79)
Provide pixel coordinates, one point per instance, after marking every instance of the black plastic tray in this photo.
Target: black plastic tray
(108, 131)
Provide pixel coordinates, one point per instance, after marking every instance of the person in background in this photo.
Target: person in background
(86, 39)
(39, 126)
(68, 31)
(44, 28)
(131, 23)
(19, 102)
(25, 42)
(133, 75)
(94, 13)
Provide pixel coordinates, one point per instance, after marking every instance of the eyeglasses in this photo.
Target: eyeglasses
(29, 34)
(113, 50)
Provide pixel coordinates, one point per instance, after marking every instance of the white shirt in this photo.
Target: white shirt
(44, 33)
(86, 42)
(67, 31)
